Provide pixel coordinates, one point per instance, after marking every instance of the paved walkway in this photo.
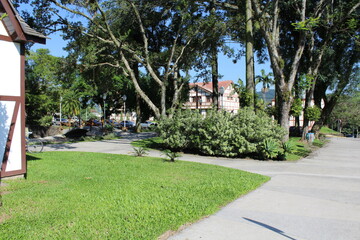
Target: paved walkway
(315, 198)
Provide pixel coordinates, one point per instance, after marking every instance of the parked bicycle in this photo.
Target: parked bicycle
(34, 145)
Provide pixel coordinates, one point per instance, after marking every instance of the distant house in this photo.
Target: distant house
(14, 33)
(200, 97)
(292, 119)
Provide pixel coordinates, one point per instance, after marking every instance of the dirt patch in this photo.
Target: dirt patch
(4, 217)
(4, 192)
(170, 233)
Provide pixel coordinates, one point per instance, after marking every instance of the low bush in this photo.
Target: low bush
(140, 151)
(219, 133)
(46, 121)
(268, 149)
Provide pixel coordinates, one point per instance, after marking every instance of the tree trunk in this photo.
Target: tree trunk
(138, 113)
(135, 67)
(308, 98)
(138, 89)
(250, 82)
(215, 76)
(163, 100)
(284, 114)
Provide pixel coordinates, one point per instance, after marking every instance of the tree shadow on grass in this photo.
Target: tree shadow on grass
(154, 143)
(32, 158)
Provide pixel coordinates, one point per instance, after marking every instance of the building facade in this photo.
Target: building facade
(14, 33)
(200, 97)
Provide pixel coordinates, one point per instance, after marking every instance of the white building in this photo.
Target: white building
(14, 33)
(200, 97)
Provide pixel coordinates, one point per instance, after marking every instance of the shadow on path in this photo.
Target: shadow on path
(269, 227)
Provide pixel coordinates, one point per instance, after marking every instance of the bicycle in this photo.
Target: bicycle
(34, 145)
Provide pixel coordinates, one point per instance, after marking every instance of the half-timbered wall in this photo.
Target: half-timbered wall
(12, 150)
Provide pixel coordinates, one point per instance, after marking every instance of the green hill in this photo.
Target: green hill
(270, 95)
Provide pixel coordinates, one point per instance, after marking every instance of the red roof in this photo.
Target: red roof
(209, 86)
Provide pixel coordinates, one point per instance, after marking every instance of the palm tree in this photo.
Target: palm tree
(266, 80)
(71, 105)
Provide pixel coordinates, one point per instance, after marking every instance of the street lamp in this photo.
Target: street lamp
(80, 100)
(104, 98)
(124, 99)
(222, 91)
(61, 98)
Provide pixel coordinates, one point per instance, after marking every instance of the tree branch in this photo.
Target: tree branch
(146, 44)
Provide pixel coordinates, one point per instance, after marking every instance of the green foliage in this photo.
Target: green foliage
(71, 104)
(327, 130)
(108, 127)
(110, 136)
(219, 133)
(305, 82)
(268, 149)
(313, 113)
(43, 77)
(288, 147)
(348, 111)
(171, 155)
(246, 98)
(46, 121)
(3, 16)
(296, 107)
(77, 195)
(306, 25)
(140, 151)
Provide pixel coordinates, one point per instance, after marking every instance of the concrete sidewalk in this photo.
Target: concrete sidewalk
(315, 198)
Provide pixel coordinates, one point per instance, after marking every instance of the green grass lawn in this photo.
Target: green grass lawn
(74, 195)
(326, 130)
(303, 149)
(154, 143)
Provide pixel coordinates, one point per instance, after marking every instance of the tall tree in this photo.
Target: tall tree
(334, 32)
(286, 39)
(250, 75)
(43, 85)
(182, 20)
(268, 15)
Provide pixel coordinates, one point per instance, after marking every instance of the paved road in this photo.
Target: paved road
(315, 198)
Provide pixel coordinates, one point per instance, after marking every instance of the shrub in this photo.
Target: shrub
(46, 121)
(313, 113)
(140, 151)
(219, 133)
(287, 147)
(108, 128)
(268, 149)
(172, 156)
(110, 136)
(177, 131)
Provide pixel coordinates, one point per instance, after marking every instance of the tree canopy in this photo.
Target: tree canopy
(150, 46)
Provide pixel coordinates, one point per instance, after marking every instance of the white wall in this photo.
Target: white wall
(14, 161)
(6, 113)
(10, 63)
(3, 30)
